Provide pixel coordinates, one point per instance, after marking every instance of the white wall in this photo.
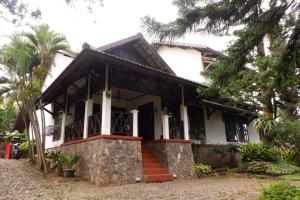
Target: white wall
(215, 128)
(253, 134)
(61, 61)
(216, 133)
(186, 63)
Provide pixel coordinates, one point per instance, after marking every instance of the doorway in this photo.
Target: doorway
(146, 121)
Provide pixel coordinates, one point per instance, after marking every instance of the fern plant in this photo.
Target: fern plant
(69, 161)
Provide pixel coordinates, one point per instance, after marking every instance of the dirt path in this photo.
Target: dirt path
(19, 180)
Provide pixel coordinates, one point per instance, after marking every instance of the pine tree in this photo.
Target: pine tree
(261, 66)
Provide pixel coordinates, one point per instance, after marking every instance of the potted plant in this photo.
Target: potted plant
(69, 162)
(53, 158)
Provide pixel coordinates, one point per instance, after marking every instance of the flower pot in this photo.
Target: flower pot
(68, 173)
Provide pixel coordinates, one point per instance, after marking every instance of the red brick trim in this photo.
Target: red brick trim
(117, 137)
(169, 140)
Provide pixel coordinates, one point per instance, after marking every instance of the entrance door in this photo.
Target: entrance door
(146, 121)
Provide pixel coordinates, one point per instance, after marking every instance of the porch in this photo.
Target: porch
(111, 99)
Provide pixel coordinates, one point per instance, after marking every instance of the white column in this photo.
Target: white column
(106, 114)
(165, 123)
(88, 111)
(62, 128)
(135, 132)
(184, 118)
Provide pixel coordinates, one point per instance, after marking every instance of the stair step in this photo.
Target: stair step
(158, 177)
(153, 170)
(150, 171)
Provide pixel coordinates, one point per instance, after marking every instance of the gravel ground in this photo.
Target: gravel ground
(19, 180)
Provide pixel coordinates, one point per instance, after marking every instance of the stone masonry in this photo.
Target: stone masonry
(176, 156)
(107, 161)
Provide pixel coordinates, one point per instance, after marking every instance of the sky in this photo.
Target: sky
(117, 19)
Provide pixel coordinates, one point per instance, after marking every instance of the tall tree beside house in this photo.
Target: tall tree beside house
(46, 43)
(16, 85)
(261, 66)
(29, 60)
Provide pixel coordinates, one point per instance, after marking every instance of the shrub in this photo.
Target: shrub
(224, 149)
(69, 161)
(258, 167)
(258, 152)
(280, 191)
(202, 169)
(275, 169)
(15, 137)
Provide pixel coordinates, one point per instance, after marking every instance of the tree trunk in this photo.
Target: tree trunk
(267, 95)
(35, 124)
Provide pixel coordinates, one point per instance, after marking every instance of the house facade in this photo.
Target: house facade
(131, 109)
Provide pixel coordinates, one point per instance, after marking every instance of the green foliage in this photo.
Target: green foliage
(282, 168)
(258, 152)
(224, 149)
(198, 135)
(290, 177)
(280, 191)
(8, 115)
(268, 168)
(69, 161)
(258, 167)
(202, 169)
(287, 131)
(15, 137)
(54, 157)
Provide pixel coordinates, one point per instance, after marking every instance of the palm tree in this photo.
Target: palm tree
(19, 59)
(46, 43)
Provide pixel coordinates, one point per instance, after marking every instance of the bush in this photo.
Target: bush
(267, 168)
(281, 169)
(258, 167)
(69, 161)
(202, 169)
(280, 191)
(258, 152)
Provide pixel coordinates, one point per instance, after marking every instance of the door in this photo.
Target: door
(146, 121)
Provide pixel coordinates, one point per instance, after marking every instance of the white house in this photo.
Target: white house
(133, 96)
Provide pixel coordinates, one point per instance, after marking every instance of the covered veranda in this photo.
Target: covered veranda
(100, 94)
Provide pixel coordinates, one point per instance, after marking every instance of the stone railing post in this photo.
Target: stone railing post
(166, 130)
(135, 123)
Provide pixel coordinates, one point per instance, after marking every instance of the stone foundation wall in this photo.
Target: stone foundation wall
(176, 156)
(217, 156)
(107, 161)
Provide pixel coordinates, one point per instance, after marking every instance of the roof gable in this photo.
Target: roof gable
(136, 49)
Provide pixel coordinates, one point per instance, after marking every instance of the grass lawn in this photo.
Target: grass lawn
(290, 177)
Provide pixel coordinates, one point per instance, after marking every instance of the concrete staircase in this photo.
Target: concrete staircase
(153, 170)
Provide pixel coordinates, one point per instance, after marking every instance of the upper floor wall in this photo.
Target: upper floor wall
(61, 61)
(186, 63)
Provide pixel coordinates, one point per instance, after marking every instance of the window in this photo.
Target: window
(236, 128)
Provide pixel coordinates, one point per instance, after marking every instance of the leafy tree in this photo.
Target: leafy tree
(28, 58)
(262, 65)
(8, 115)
